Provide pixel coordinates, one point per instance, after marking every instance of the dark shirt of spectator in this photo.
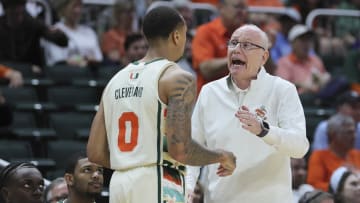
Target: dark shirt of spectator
(6, 113)
(20, 34)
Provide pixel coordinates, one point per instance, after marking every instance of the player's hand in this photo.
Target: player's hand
(227, 164)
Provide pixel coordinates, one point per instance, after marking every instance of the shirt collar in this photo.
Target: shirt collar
(233, 87)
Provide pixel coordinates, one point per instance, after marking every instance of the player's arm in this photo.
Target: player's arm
(97, 146)
(180, 91)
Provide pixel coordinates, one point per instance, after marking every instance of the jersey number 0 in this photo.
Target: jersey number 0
(132, 119)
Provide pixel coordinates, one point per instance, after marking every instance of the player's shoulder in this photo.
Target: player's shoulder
(176, 82)
(175, 72)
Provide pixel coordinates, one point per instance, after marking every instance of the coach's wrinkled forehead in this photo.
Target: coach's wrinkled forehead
(251, 33)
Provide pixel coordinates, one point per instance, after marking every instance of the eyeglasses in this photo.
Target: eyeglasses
(244, 45)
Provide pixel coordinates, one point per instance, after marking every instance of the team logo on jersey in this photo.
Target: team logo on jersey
(134, 76)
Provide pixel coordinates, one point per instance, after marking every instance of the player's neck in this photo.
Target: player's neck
(151, 57)
(156, 53)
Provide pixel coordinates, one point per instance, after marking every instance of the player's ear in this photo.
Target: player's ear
(69, 178)
(175, 36)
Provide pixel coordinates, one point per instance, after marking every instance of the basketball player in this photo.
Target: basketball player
(142, 129)
(21, 182)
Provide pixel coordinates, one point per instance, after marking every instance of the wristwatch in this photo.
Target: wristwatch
(264, 129)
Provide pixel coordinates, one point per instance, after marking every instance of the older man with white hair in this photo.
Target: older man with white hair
(257, 116)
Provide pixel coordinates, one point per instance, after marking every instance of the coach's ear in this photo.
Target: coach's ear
(265, 57)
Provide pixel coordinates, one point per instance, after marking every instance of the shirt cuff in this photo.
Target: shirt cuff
(272, 137)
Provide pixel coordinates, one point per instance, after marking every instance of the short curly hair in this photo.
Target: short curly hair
(159, 22)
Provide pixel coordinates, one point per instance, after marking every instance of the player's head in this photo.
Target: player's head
(164, 26)
(21, 182)
(83, 177)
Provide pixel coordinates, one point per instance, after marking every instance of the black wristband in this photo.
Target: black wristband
(264, 129)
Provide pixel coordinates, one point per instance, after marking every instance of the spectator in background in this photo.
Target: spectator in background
(14, 77)
(20, 35)
(306, 6)
(346, 27)
(15, 80)
(352, 69)
(209, 44)
(341, 152)
(185, 62)
(305, 70)
(299, 172)
(112, 41)
(317, 196)
(83, 48)
(6, 112)
(56, 191)
(321, 26)
(212, 2)
(184, 8)
(347, 104)
(345, 185)
(271, 3)
(282, 46)
(21, 182)
(135, 48)
(84, 179)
